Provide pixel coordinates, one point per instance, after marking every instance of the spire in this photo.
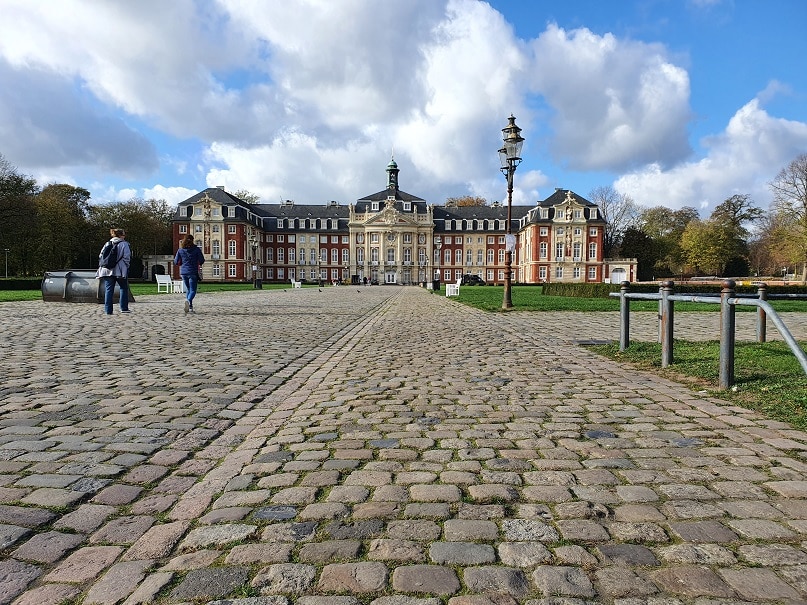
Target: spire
(392, 172)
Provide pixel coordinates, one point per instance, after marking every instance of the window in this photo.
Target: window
(292, 239)
(292, 255)
(447, 257)
(592, 251)
(559, 251)
(216, 247)
(183, 228)
(231, 270)
(576, 273)
(312, 274)
(360, 238)
(216, 212)
(501, 255)
(577, 246)
(198, 229)
(302, 239)
(544, 231)
(469, 240)
(447, 239)
(407, 238)
(407, 206)
(374, 255)
(447, 275)
(542, 250)
(390, 255)
(231, 246)
(458, 256)
(334, 274)
(592, 213)
(489, 275)
(323, 239)
(302, 255)
(458, 274)
(479, 257)
(501, 239)
(542, 273)
(281, 238)
(469, 257)
(270, 238)
(334, 255)
(374, 206)
(544, 212)
(270, 273)
(323, 255)
(560, 231)
(360, 256)
(478, 241)
(578, 213)
(231, 229)
(312, 256)
(345, 239)
(197, 211)
(490, 239)
(334, 239)
(558, 272)
(490, 257)
(345, 256)
(578, 231)
(281, 274)
(374, 238)
(281, 255)
(270, 255)
(501, 274)
(216, 229)
(593, 232)
(592, 273)
(407, 255)
(217, 270)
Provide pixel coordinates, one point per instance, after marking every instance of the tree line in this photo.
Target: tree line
(738, 239)
(55, 227)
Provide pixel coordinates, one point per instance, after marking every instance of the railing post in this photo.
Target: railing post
(727, 324)
(624, 316)
(667, 319)
(762, 317)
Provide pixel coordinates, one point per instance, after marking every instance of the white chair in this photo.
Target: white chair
(453, 289)
(296, 284)
(178, 287)
(165, 284)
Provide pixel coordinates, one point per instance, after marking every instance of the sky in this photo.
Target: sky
(671, 102)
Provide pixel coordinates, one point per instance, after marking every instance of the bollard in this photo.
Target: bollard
(667, 318)
(624, 316)
(727, 323)
(762, 317)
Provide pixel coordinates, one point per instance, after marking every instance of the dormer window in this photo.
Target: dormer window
(407, 206)
(374, 206)
(592, 213)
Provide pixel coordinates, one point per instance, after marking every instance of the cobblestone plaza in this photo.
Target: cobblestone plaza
(379, 445)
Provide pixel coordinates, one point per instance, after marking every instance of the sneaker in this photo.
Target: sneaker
(191, 310)
(125, 311)
(187, 306)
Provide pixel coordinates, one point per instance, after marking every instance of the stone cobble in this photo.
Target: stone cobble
(384, 446)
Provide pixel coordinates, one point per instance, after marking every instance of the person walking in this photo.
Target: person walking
(118, 273)
(190, 259)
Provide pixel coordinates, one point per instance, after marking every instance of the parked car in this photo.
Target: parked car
(472, 280)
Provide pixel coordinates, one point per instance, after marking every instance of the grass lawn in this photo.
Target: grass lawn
(767, 376)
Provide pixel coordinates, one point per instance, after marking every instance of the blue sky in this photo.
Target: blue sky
(672, 102)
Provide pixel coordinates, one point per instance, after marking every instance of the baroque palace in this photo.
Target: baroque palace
(393, 237)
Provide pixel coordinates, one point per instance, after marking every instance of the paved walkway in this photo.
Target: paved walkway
(378, 446)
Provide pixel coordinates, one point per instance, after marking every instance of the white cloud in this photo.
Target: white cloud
(741, 160)
(616, 103)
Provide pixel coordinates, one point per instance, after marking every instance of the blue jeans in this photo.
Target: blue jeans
(109, 292)
(191, 281)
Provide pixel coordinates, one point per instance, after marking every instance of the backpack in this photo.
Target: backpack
(109, 255)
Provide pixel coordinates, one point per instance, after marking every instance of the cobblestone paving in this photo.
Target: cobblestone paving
(381, 446)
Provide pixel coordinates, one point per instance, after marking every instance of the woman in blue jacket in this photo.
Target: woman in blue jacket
(190, 259)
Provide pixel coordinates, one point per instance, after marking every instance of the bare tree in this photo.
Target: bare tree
(247, 196)
(790, 198)
(467, 200)
(619, 212)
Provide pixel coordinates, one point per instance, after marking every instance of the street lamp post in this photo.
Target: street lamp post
(438, 241)
(510, 158)
(6, 250)
(253, 242)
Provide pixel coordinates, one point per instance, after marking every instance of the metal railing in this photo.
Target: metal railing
(728, 299)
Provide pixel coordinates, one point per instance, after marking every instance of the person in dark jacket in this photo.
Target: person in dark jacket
(119, 274)
(190, 259)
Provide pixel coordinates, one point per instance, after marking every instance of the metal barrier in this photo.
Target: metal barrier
(76, 286)
(728, 299)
